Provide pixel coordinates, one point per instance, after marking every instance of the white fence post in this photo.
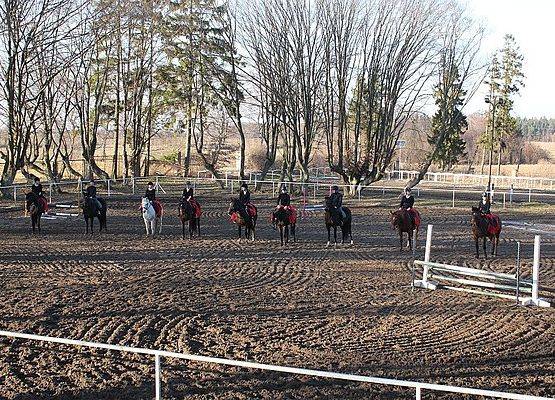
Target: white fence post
(418, 393)
(424, 283)
(158, 388)
(535, 300)
(50, 194)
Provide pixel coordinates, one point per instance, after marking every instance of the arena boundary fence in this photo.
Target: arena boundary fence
(310, 189)
(418, 387)
(490, 283)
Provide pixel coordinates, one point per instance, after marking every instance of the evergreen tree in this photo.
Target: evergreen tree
(448, 123)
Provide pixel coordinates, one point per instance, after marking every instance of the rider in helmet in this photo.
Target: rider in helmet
(91, 194)
(150, 193)
(244, 195)
(485, 204)
(40, 198)
(336, 200)
(187, 192)
(284, 199)
(407, 200)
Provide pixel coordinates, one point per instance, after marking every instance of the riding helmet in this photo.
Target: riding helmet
(408, 189)
(335, 188)
(244, 186)
(150, 184)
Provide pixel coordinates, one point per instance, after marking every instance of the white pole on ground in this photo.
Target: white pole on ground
(158, 389)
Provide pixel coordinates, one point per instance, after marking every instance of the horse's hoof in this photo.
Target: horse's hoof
(352, 242)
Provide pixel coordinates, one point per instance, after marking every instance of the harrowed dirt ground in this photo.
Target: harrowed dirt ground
(346, 309)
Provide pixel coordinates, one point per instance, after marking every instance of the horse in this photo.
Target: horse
(482, 227)
(187, 213)
(91, 211)
(333, 218)
(33, 207)
(153, 219)
(284, 221)
(241, 218)
(402, 222)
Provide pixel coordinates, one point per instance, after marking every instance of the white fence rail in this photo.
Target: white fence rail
(418, 387)
(500, 181)
(310, 189)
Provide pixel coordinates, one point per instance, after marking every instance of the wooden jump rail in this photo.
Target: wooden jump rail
(490, 283)
(419, 387)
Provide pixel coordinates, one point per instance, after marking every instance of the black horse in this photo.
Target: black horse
(187, 213)
(91, 211)
(334, 219)
(282, 220)
(242, 218)
(34, 208)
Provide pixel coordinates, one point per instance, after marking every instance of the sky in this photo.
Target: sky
(532, 23)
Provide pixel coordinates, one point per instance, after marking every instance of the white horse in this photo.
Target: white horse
(152, 222)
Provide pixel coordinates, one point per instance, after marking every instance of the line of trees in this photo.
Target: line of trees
(340, 76)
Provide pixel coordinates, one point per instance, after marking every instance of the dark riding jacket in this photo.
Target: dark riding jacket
(407, 202)
(91, 191)
(150, 194)
(484, 207)
(245, 197)
(284, 199)
(187, 193)
(336, 200)
(37, 189)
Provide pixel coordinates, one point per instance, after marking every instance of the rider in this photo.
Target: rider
(245, 197)
(40, 198)
(485, 204)
(150, 193)
(187, 192)
(407, 200)
(283, 200)
(336, 200)
(91, 194)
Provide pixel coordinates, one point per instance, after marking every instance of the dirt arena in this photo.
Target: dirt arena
(346, 309)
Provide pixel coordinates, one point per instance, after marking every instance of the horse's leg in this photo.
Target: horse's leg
(401, 239)
(294, 233)
(239, 227)
(477, 247)
(92, 224)
(496, 244)
(485, 249)
(286, 234)
(146, 226)
(160, 232)
(198, 227)
(329, 234)
(335, 235)
(410, 240)
(38, 221)
(281, 234)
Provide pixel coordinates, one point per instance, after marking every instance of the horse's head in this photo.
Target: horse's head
(145, 204)
(233, 206)
(395, 218)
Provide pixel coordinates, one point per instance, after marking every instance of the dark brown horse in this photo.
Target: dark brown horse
(242, 219)
(484, 228)
(34, 209)
(334, 219)
(91, 211)
(282, 219)
(187, 214)
(404, 223)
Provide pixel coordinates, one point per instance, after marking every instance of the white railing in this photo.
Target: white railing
(503, 197)
(419, 387)
(476, 179)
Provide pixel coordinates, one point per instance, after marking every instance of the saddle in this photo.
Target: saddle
(494, 223)
(158, 208)
(415, 215)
